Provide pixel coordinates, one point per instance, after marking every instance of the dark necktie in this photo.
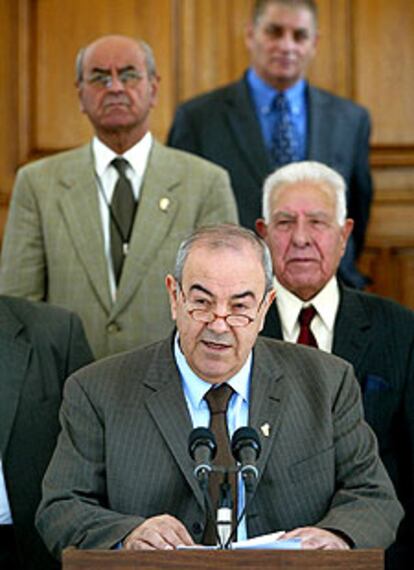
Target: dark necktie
(306, 335)
(284, 138)
(218, 401)
(122, 214)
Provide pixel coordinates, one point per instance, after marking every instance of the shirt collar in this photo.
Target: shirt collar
(137, 155)
(326, 303)
(264, 94)
(195, 388)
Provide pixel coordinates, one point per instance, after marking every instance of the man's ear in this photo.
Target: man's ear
(346, 231)
(154, 89)
(270, 297)
(172, 289)
(80, 96)
(261, 228)
(248, 35)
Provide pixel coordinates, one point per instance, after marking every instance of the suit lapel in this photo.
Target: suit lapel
(246, 130)
(266, 398)
(169, 411)
(14, 359)
(321, 127)
(158, 207)
(352, 331)
(80, 209)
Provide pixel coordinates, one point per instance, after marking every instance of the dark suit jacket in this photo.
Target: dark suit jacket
(222, 126)
(40, 346)
(377, 337)
(123, 455)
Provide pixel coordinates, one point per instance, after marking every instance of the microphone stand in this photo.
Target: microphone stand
(249, 491)
(224, 513)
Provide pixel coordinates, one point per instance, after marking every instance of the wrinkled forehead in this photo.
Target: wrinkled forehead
(224, 268)
(113, 52)
(304, 195)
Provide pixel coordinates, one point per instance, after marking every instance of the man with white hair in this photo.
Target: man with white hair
(305, 225)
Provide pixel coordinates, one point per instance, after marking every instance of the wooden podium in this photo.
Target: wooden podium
(74, 559)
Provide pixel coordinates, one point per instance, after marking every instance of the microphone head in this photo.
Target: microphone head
(202, 436)
(245, 437)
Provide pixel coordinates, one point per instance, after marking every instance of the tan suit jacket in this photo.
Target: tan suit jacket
(122, 455)
(53, 247)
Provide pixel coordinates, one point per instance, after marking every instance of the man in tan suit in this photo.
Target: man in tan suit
(63, 223)
(121, 472)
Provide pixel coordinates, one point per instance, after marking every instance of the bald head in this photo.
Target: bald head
(119, 40)
(117, 87)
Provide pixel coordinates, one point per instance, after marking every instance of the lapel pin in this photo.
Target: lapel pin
(265, 429)
(164, 204)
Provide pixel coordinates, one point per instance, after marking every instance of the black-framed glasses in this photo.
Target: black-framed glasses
(105, 79)
(208, 315)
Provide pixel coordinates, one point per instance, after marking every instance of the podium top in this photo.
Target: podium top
(372, 559)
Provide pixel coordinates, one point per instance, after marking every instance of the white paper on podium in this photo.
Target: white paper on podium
(273, 540)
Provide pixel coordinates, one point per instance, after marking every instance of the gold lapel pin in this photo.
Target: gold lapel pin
(164, 204)
(265, 429)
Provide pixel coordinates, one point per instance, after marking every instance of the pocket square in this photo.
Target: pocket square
(375, 383)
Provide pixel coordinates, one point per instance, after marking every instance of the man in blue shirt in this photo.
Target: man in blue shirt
(273, 116)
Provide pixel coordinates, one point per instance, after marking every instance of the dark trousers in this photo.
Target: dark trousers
(8, 549)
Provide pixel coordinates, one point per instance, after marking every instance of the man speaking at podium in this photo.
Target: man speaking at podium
(121, 475)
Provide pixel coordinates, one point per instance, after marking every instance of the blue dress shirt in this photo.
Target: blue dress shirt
(263, 96)
(237, 413)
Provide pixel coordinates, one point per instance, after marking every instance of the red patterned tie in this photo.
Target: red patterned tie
(306, 335)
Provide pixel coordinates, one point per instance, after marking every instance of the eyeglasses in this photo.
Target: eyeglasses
(104, 80)
(208, 316)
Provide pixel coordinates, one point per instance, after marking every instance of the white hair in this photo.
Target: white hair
(301, 172)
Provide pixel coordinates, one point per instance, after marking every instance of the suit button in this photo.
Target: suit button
(113, 328)
(197, 528)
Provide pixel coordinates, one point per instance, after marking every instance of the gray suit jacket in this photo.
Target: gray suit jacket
(376, 336)
(53, 245)
(122, 455)
(222, 126)
(40, 346)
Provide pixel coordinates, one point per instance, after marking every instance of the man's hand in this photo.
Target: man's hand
(317, 538)
(163, 532)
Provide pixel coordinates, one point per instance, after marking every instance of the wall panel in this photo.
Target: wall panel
(57, 30)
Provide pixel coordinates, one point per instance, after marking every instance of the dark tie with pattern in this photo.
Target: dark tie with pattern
(306, 335)
(284, 138)
(123, 207)
(218, 400)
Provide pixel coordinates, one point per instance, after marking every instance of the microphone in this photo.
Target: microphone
(202, 447)
(246, 448)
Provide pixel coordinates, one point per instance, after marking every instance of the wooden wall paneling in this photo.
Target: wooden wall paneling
(331, 67)
(56, 33)
(9, 73)
(384, 67)
(211, 44)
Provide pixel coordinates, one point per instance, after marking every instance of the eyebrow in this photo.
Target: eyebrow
(242, 295)
(107, 70)
(283, 213)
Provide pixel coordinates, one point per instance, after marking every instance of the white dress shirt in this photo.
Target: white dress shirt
(326, 303)
(237, 412)
(106, 178)
(5, 513)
